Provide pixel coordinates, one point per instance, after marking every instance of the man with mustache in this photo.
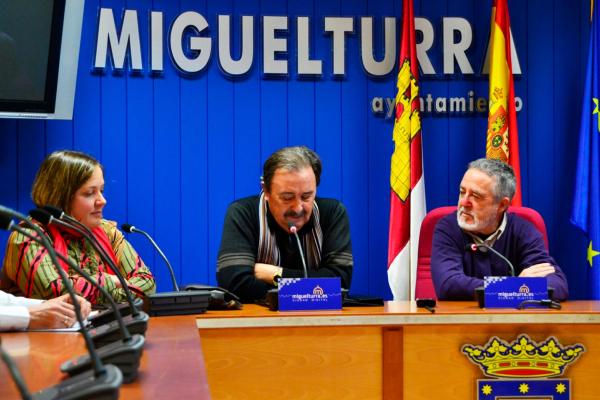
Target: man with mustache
(486, 191)
(257, 246)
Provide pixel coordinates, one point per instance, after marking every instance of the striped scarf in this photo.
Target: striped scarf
(60, 244)
(268, 252)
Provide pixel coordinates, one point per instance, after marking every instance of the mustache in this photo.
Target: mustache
(294, 214)
(462, 210)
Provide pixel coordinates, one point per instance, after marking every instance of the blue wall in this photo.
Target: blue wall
(178, 149)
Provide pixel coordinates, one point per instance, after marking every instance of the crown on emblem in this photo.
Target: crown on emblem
(523, 357)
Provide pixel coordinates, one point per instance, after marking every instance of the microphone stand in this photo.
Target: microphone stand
(294, 231)
(137, 322)
(475, 246)
(105, 316)
(104, 381)
(176, 302)
(132, 229)
(272, 298)
(479, 291)
(124, 354)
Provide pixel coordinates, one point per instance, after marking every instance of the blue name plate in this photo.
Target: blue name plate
(296, 294)
(511, 291)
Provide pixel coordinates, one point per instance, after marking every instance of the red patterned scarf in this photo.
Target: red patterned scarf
(60, 244)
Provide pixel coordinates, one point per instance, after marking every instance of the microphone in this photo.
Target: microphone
(102, 335)
(103, 381)
(132, 229)
(176, 302)
(123, 354)
(104, 316)
(473, 247)
(271, 300)
(294, 231)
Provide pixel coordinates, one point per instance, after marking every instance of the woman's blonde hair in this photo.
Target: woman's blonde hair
(61, 174)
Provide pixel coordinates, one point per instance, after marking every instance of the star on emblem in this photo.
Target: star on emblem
(561, 388)
(523, 388)
(486, 389)
(591, 253)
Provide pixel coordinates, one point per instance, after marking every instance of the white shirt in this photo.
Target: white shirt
(14, 314)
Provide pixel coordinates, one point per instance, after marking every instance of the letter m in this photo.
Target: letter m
(130, 38)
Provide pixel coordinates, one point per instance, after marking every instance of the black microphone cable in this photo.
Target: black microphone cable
(548, 303)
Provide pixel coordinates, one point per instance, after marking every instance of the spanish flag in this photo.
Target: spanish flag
(407, 204)
(502, 137)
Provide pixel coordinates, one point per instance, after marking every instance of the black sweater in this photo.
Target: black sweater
(239, 247)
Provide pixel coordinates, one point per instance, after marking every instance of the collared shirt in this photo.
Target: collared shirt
(14, 314)
(491, 239)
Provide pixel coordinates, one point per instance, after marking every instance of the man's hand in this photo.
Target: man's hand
(56, 313)
(538, 270)
(266, 272)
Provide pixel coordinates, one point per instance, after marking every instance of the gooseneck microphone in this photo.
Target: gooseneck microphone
(137, 322)
(61, 218)
(294, 231)
(271, 299)
(103, 381)
(473, 247)
(124, 354)
(176, 302)
(132, 229)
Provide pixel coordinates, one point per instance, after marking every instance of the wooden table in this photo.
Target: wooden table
(171, 367)
(390, 352)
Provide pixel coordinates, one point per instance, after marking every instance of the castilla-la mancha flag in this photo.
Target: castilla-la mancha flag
(502, 138)
(407, 207)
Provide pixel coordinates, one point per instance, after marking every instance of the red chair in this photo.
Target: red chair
(424, 285)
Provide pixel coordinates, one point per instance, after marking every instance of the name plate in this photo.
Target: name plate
(297, 294)
(511, 291)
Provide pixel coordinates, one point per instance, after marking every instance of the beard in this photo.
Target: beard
(477, 225)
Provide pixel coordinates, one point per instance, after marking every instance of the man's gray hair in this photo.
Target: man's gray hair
(506, 183)
(291, 159)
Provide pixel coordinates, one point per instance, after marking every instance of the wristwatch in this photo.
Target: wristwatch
(277, 276)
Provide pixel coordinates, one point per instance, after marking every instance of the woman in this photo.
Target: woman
(74, 182)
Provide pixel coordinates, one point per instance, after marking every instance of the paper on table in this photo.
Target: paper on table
(74, 328)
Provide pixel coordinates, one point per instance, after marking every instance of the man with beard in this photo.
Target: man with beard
(486, 191)
(258, 247)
